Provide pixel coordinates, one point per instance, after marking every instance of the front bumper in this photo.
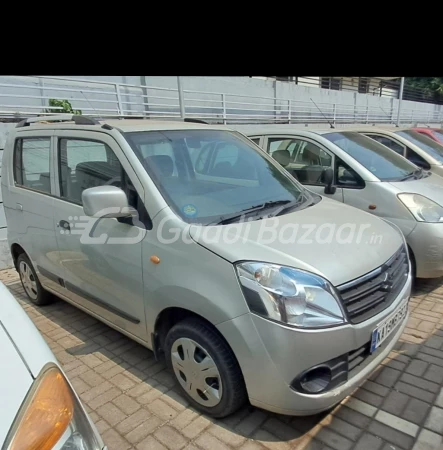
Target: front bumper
(271, 355)
(426, 242)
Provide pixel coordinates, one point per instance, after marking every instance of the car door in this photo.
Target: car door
(101, 258)
(30, 203)
(305, 160)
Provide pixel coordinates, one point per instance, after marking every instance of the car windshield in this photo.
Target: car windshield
(431, 147)
(384, 163)
(208, 175)
(439, 134)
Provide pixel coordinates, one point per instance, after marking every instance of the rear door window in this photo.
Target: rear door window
(390, 143)
(32, 163)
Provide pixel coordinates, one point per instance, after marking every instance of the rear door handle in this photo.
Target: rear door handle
(64, 224)
(19, 207)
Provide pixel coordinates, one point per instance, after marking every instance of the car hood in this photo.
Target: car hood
(339, 256)
(431, 187)
(15, 382)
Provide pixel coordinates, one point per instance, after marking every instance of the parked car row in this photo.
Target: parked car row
(367, 172)
(140, 224)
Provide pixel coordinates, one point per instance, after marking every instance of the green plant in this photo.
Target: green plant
(65, 104)
(429, 85)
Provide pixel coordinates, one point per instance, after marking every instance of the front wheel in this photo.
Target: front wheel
(205, 367)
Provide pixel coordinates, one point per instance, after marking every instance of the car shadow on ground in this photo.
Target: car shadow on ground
(98, 359)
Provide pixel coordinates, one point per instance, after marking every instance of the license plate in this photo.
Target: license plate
(385, 328)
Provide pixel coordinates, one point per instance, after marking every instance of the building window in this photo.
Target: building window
(330, 83)
(363, 85)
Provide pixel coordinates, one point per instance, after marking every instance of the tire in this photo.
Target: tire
(31, 283)
(413, 266)
(217, 396)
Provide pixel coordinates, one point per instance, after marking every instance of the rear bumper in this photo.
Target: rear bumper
(271, 355)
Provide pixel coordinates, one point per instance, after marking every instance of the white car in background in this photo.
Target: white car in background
(39, 408)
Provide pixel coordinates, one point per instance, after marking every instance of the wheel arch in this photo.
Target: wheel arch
(169, 317)
(16, 251)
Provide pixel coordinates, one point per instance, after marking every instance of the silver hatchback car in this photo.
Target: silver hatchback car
(367, 175)
(195, 243)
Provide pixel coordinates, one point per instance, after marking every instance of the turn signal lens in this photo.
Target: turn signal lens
(47, 415)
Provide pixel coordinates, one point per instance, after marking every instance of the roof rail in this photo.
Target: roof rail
(188, 119)
(77, 119)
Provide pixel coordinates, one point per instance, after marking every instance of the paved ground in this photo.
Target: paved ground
(136, 405)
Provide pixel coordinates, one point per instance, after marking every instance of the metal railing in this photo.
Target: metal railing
(373, 86)
(24, 96)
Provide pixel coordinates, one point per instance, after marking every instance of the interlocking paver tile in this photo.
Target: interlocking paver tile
(145, 428)
(114, 441)
(417, 368)
(368, 442)
(435, 420)
(427, 440)
(196, 427)
(170, 438)
(207, 441)
(162, 409)
(416, 411)
(111, 414)
(150, 443)
(132, 421)
(391, 435)
(136, 403)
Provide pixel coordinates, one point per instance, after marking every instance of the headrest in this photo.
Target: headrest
(312, 149)
(283, 157)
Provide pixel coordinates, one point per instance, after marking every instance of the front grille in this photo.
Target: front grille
(370, 294)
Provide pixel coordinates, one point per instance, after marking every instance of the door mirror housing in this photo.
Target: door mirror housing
(106, 201)
(328, 179)
(419, 163)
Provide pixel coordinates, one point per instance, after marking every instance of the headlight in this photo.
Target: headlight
(422, 208)
(290, 296)
(51, 417)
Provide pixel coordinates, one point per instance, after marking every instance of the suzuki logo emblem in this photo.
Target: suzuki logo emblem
(386, 283)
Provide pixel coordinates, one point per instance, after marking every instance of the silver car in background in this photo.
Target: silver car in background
(194, 242)
(357, 170)
(416, 147)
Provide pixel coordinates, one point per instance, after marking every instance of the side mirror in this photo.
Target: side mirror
(105, 201)
(328, 179)
(422, 164)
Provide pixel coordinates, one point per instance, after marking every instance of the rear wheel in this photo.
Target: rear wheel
(205, 367)
(31, 283)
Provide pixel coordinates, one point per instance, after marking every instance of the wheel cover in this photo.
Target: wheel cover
(28, 280)
(197, 372)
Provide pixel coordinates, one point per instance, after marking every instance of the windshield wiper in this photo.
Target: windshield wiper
(300, 200)
(235, 216)
(417, 174)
